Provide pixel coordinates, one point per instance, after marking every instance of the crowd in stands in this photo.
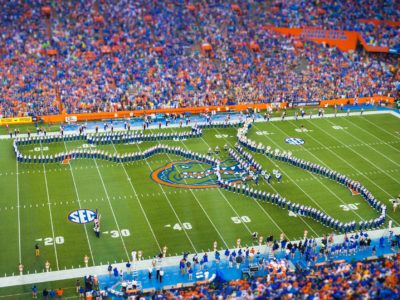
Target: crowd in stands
(331, 14)
(320, 272)
(378, 279)
(382, 34)
(118, 55)
(341, 15)
(362, 280)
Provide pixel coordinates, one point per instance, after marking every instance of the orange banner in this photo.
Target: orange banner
(377, 22)
(344, 40)
(193, 110)
(372, 100)
(136, 113)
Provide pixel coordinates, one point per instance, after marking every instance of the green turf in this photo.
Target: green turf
(25, 291)
(142, 214)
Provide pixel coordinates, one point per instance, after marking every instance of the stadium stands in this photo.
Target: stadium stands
(323, 270)
(92, 57)
(376, 279)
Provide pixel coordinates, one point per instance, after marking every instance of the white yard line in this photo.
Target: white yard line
(350, 165)
(227, 201)
(112, 210)
(51, 215)
(259, 205)
(170, 205)
(140, 203)
(201, 206)
(379, 153)
(292, 180)
(79, 204)
(367, 160)
(317, 178)
(206, 214)
(382, 129)
(18, 214)
(374, 136)
(301, 218)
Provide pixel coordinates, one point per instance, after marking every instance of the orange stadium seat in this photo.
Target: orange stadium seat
(99, 19)
(236, 8)
(105, 49)
(46, 10)
(52, 52)
(206, 47)
(148, 18)
(254, 46)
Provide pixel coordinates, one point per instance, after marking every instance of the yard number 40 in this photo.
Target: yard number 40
(348, 207)
(240, 219)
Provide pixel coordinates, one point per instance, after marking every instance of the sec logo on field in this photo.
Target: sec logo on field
(82, 216)
(294, 141)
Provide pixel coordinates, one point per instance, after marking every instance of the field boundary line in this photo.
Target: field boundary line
(171, 206)
(51, 214)
(80, 206)
(273, 119)
(394, 113)
(169, 261)
(112, 209)
(140, 204)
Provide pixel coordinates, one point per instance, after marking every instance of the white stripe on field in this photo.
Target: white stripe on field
(19, 220)
(79, 204)
(112, 210)
(262, 208)
(369, 161)
(319, 180)
(169, 202)
(140, 203)
(51, 215)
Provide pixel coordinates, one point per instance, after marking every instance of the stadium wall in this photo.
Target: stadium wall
(372, 100)
(137, 113)
(193, 110)
(198, 110)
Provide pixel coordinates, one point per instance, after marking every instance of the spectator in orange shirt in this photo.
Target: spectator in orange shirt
(60, 292)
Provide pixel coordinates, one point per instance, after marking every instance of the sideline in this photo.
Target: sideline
(141, 265)
(235, 117)
(169, 261)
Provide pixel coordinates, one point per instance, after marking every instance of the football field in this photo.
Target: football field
(151, 203)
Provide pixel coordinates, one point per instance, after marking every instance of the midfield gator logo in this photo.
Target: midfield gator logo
(196, 175)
